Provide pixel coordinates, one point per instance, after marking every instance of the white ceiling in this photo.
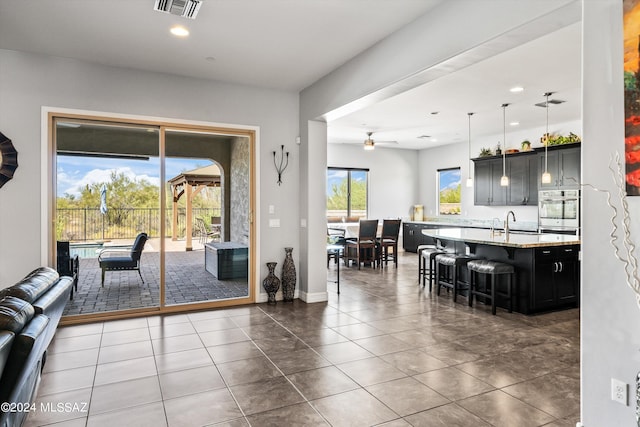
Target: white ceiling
(548, 64)
(289, 44)
(280, 44)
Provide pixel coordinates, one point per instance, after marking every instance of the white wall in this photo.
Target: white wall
(28, 82)
(393, 176)
(610, 316)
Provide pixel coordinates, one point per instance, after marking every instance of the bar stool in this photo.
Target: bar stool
(421, 265)
(451, 264)
(429, 259)
(493, 269)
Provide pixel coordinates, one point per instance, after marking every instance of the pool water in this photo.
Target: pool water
(85, 250)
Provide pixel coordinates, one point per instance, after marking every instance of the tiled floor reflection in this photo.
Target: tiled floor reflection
(383, 352)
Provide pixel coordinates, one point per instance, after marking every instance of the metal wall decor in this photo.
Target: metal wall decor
(284, 160)
(8, 159)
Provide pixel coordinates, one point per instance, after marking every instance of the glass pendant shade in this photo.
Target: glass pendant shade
(504, 181)
(469, 182)
(546, 178)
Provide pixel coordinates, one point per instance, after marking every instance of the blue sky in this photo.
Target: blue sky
(76, 172)
(449, 179)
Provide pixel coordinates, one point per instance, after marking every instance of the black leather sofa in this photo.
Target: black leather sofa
(29, 314)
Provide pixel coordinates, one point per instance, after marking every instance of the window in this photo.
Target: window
(449, 191)
(346, 194)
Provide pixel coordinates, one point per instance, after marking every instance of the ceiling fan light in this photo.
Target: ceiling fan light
(368, 145)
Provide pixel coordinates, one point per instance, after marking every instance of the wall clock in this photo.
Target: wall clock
(8, 159)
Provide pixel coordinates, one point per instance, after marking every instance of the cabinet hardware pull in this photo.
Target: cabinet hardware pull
(561, 267)
(555, 267)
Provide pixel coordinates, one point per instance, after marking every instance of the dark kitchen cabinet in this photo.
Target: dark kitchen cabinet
(522, 172)
(563, 163)
(487, 188)
(557, 277)
(412, 235)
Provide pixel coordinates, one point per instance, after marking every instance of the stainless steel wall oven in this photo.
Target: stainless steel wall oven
(559, 210)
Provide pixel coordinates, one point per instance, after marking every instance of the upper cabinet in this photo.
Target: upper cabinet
(563, 163)
(524, 171)
(522, 190)
(487, 189)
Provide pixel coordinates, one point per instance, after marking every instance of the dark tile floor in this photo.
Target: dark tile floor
(383, 352)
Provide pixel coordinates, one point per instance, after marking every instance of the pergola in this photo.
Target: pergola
(189, 184)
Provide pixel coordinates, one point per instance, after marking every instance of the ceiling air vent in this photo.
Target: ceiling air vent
(185, 8)
(551, 101)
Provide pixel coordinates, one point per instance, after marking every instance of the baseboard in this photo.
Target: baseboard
(310, 298)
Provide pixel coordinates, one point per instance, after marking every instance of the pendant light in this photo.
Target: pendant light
(469, 178)
(546, 176)
(504, 181)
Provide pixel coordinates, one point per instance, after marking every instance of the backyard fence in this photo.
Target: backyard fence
(85, 224)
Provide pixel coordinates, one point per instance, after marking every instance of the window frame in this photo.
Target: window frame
(438, 188)
(349, 170)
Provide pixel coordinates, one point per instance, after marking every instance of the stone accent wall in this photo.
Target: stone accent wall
(240, 208)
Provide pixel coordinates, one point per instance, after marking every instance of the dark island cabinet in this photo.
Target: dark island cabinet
(557, 277)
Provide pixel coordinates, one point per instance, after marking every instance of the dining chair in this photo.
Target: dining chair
(364, 248)
(389, 240)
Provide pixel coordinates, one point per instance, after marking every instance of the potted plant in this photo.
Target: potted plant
(485, 152)
(525, 145)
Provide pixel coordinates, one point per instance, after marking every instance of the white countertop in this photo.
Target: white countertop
(515, 239)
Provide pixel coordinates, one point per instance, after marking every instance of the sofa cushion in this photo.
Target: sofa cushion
(15, 314)
(33, 285)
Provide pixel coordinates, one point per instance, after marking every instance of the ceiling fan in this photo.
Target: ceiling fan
(369, 144)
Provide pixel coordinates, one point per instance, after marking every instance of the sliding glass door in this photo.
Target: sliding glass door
(182, 194)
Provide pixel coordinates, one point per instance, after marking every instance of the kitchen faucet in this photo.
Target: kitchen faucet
(506, 222)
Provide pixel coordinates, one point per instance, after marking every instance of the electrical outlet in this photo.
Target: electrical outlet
(619, 391)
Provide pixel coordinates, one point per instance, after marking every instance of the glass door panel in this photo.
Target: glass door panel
(108, 194)
(207, 225)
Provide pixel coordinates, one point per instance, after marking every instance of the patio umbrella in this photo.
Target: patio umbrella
(103, 199)
(103, 205)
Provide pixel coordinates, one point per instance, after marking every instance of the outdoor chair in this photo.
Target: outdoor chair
(204, 234)
(130, 261)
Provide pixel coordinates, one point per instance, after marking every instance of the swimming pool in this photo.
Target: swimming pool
(85, 250)
(91, 250)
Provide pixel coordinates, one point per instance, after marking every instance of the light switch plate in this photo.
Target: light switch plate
(272, 209)
(274, 223)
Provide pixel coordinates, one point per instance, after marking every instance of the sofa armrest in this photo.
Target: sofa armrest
(52, 304)
(6, 340)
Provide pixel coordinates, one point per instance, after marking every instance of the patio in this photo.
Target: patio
(187, 281)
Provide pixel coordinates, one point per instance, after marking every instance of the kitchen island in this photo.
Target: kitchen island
(547, 265)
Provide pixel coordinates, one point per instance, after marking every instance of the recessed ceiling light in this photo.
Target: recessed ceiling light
(514, 123)
(516, 89)
(210, 58)
(179, 31)
(433, 113)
